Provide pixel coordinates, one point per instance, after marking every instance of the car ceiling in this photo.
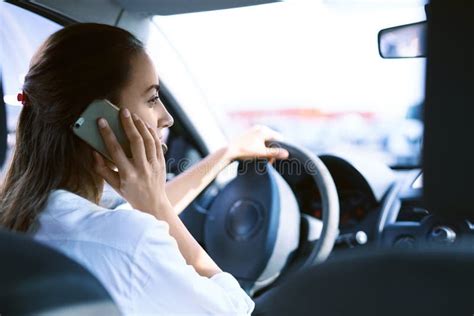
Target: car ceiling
(110, 11)
(168, 7)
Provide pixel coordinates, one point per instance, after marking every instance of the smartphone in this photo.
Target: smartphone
(85, 127)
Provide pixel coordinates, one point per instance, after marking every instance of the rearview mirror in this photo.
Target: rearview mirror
(404, 41)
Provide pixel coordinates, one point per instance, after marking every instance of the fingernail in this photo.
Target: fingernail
(135, 117)
(148, 125)
(126, 113)
(102, 123)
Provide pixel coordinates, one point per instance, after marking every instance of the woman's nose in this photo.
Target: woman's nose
(165, 120)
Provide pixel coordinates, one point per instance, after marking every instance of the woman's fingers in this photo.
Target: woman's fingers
(159, 149)
(270, 135)
(278, 153)
(113, 147)
(273, 151)
(137, 146)
(149, 141)
(105, 172)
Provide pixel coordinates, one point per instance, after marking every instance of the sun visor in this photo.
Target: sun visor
(170, 7)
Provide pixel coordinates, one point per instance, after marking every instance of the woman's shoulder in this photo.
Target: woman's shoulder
(70, 217)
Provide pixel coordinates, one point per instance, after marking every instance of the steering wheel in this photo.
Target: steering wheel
(253, 225)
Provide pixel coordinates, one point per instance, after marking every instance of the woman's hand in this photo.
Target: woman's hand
(140, 179)
(251, 144)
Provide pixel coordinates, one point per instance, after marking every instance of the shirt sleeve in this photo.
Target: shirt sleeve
(163, 283)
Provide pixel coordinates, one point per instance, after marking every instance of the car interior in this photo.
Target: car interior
(344, 236)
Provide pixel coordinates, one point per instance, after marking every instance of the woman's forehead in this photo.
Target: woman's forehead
(143, 73)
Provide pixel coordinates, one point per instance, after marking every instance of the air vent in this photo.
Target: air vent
(411, 211)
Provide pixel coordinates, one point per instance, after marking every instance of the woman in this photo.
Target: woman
(143, 255)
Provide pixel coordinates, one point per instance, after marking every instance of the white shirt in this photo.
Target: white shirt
(136, 259)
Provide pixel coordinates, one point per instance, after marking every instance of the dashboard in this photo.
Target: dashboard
(386, 206)
(356, 199)
(361, 187)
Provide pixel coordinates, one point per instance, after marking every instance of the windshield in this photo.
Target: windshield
(310, 70)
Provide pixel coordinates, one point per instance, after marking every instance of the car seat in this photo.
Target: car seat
(372, 283)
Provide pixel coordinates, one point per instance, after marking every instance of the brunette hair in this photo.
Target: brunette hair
(73, 67)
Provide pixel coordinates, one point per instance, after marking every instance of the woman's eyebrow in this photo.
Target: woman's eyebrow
(154, 86)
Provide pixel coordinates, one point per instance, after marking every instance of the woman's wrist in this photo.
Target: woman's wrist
(162, 209)
(229, 154)
(192, 252)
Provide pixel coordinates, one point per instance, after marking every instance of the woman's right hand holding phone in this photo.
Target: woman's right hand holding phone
(140, 179)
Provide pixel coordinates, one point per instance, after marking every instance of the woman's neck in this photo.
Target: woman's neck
(92, 194)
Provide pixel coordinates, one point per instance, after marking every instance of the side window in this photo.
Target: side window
(21, 33)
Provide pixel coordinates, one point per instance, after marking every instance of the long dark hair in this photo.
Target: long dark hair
(73, 67)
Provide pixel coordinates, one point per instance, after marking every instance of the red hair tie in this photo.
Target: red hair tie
(21, 97)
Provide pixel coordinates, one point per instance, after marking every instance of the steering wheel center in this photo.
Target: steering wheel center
(244, 219)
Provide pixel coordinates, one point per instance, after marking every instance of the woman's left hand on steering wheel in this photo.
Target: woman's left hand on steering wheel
(251, 145)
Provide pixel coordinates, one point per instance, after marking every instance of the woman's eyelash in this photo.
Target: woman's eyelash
(155, 98)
